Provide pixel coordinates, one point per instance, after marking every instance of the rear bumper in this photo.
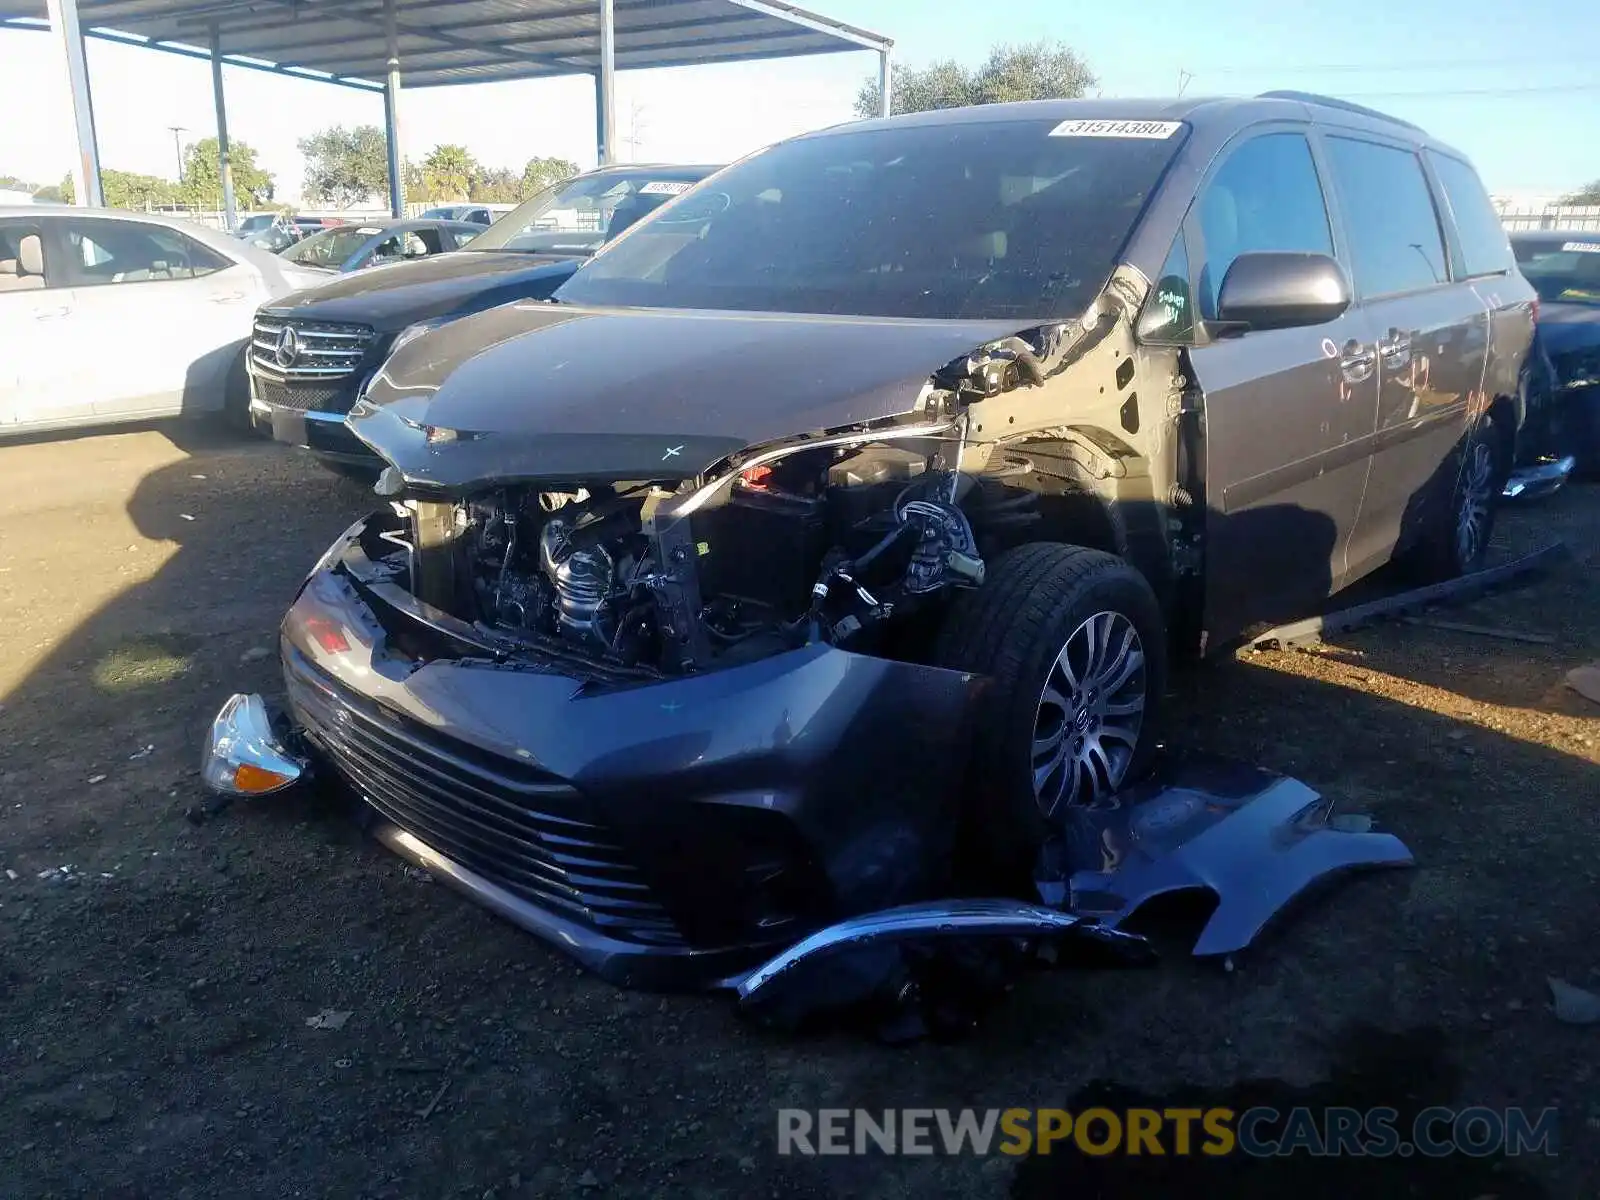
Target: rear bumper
(666, 834)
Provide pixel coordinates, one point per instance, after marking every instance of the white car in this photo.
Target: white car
(116, 316)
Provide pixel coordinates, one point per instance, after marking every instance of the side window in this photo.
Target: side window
(385, 251)
(1266, 196)
(22, 253)
(1395, 245)
(1169, 312)
(102, 252)
(463, 236)
(1485, 248)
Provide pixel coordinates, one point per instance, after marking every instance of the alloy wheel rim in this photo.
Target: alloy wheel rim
(1472, 522)
(1090, 711)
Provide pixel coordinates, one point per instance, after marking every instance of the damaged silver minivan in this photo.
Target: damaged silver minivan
(829, 533)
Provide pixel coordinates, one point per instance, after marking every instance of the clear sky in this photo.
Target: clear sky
(1514, 84)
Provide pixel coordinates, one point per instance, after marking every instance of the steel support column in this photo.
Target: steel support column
(230, 216)
(63, 16)
(605, 88)
(391, 114)
(885, 83)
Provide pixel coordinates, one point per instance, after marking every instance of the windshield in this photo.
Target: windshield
(1563, 272)
(576, 217)
(993, 220)
(330, 247)
(256, 223)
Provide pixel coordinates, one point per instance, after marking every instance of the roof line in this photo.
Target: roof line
(289, 70)
(814, 21)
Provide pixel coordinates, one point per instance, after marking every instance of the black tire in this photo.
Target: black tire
(1038, 598)
(1476, 471)
(235, 413)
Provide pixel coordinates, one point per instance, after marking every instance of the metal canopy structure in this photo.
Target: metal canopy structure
(365, 44)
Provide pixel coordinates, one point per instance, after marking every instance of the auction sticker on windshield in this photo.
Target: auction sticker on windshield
(665, 187)
(1117, 129)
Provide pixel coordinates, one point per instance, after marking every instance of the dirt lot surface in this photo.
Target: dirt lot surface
(156, 976)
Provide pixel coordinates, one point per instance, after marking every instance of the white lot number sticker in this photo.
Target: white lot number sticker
(1117, 129)
(1582, 248)
(665, 187)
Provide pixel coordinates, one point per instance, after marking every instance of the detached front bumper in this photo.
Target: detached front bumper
(668, 834)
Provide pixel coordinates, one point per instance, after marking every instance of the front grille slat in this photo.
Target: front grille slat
(476, 822)
(507, 820)
(326, 350)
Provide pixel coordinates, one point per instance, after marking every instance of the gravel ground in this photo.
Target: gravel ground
(156, 976)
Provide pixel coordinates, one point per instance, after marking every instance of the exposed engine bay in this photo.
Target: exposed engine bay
(835, 544)
(844, 538)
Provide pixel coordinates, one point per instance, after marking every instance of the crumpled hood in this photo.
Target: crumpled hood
(398, 294)
(560, 391)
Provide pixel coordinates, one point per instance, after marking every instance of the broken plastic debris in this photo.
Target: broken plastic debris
(197, 477)
(1586, 681)
(10, 874)
(329, 1019)
(138, 754)
(1574, 1005)
(97, 779)
(185, 517)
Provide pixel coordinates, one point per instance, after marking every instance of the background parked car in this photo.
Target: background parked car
(525, 255)
(1564, 268)
(478, 214)
(355, 247)
(108, 315)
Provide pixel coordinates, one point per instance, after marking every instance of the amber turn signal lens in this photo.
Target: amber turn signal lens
(248, 777)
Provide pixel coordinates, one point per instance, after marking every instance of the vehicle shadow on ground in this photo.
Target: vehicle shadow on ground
(150, 666)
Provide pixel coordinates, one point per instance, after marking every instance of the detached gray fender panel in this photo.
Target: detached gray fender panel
(1253, 839)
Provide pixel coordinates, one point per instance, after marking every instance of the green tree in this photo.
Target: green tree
(495, 185)
(53, 193)
(447, 171)
(1588, 194)
(11, 183)
(1037, 71)
(344, 167)
(202, 176)
(540, 173)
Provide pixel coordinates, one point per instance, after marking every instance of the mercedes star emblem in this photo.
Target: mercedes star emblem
(288, 349)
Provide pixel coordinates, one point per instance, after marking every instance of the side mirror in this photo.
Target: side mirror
(1282, 290)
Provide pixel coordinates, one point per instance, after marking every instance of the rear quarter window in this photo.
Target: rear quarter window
(1485, 246)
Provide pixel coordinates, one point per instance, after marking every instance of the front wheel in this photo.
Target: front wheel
(1074, 645)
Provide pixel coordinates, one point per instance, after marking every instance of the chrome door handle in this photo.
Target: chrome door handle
(51, 314)
(228, 298)
(1357, 361)
(1395, 350)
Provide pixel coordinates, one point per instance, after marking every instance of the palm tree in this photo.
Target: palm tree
(448, 172)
